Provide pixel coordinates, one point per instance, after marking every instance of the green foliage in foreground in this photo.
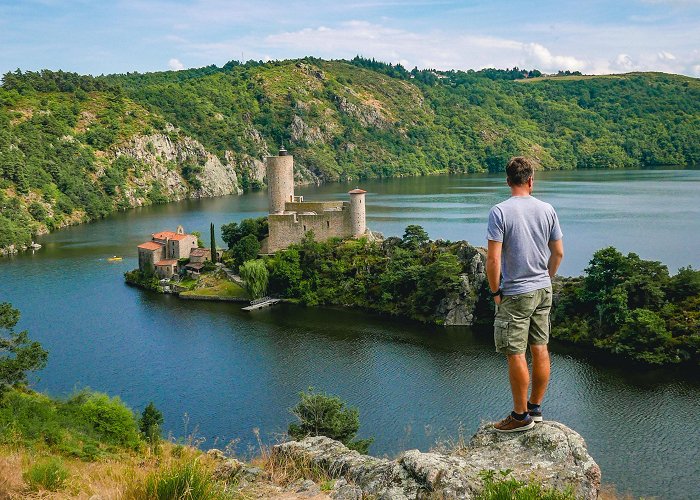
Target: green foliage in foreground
(88, 425)
(407, 276)
(18, 354)
(48, 474)
(632, 307)
(188, 480)
(502, 487)
(325, 415)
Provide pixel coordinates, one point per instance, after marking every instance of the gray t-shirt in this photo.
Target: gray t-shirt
(525, 226)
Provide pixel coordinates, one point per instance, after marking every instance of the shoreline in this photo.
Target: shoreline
(17, 248)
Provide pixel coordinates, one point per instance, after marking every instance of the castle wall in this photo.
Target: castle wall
(286, 229)
(315, 206)
(280, 181)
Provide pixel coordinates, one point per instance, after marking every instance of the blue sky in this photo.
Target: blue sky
(128, 35)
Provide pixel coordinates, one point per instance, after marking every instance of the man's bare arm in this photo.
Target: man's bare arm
(556, 248)
(493, 266)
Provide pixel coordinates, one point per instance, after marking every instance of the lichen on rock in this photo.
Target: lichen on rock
(551, 454)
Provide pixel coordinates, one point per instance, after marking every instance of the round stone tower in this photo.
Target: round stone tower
(358, 222)
(280, 180)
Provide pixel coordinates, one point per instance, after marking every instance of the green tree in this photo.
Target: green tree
(246, 249)
(149, 423)
(325, 415)
(213, 242)
(232, 233)
(18, 354)
(643, 337)
(415, 236)
(256, 277)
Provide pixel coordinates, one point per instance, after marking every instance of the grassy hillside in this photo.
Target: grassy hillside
(75, 148)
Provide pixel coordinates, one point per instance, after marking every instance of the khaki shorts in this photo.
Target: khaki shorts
(521, 320)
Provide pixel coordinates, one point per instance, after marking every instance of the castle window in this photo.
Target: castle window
(304, 227)
(328, 224)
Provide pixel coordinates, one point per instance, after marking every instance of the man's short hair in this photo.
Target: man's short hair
(519, 170)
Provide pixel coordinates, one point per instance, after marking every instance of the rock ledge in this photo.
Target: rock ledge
(551, 453)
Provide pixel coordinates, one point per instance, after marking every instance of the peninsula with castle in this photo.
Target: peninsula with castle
(172, 259)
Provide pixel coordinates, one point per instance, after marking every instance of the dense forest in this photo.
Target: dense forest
(70, 150)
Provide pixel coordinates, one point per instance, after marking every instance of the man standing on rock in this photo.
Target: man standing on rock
(525, 249)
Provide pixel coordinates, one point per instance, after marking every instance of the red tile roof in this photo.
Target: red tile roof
(200, 252)
(151, 245)
(357, 191)
(179, 237)
(164, 235)
(167, 262)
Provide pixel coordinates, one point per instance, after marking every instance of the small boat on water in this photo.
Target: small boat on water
(114, 258)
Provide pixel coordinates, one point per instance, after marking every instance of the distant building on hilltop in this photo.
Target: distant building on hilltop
(290, 217)
(160, 255)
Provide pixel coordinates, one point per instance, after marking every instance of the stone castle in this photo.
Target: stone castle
(290, 217)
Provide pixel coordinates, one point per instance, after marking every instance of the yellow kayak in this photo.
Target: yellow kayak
(114, 259)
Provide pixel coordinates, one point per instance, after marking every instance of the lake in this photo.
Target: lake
(219, 372)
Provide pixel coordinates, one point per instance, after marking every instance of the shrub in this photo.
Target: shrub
(37, 211)
(49, 474)
(324, 415)
(184, 481)
(110, 418)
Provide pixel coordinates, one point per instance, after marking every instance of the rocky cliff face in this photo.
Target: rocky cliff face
(551, 453)
(458, 308)
(162, 155)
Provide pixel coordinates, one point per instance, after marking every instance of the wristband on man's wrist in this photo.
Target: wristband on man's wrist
(497, 293)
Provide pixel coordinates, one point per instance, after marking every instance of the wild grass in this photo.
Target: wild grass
(186, 480)
(500, 486)
(49, 474)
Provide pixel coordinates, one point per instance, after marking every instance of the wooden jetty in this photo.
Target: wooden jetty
(260, 303)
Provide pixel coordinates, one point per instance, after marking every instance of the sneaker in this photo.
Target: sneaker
(535, 413)
(511, 424)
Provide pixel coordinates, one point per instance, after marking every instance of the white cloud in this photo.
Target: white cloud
(623, 63)
(436, 49)
(175, 65)
(607, 49)
(543, 58)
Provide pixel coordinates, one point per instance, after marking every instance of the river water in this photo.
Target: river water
(221, 373)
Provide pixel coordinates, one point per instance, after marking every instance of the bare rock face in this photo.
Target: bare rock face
(163, 156)
(301, 132)
(551, 453)
(457, 309)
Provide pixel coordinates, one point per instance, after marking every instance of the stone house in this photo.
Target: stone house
(166, 268)
(198, 257)
(160, 255)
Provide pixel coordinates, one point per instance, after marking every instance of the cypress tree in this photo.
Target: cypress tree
(213, 242)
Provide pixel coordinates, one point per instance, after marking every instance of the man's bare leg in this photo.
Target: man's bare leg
(519, 381)
(540, 372)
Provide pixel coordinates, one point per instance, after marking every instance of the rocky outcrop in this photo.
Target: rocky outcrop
(163, 155)
(457, 309)
(551, 454)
